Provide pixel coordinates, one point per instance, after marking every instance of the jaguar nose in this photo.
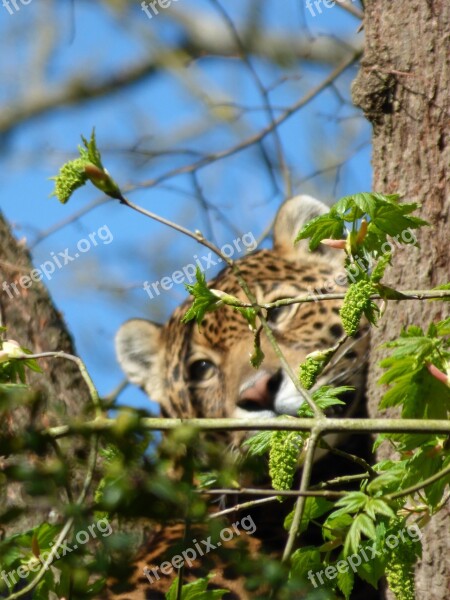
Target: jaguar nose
(260, 392)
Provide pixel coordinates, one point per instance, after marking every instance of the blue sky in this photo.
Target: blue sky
(157, 114)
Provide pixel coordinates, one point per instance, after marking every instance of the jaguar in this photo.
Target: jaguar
(205, 371)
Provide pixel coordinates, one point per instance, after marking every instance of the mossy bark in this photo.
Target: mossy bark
(32, 320)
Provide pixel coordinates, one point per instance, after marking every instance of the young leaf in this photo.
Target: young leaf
(329, 225)
(345, 582)
(195, 590)
(305, 559)
(314, 508)
(259, 443)
(204, 300)
(324, 397)
(75, 173)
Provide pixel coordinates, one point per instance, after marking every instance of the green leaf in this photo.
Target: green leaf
(385, 216)
(389, 480)
(304, 560)
(204, 300)
(329, 225)
(324, 397)
(366, 525)
(362, 524)
(336, 526)
(314, 508)
(412, 386)
(351, 503)
(195, 590)
(259, 443)
(376, 506)
(345, 582)
(90, 152)
(373, 569)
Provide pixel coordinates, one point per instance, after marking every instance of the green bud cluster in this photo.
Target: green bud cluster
(400, 572)
(285, 447)
(75, 173)
(356, 303)
(311, 368)
(70, 177)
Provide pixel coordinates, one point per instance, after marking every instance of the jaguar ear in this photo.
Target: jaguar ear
(291, 217)
(137, 347)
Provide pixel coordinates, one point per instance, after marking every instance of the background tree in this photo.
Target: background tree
(403, 88)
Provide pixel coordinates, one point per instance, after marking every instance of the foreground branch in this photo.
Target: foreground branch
(327, 425)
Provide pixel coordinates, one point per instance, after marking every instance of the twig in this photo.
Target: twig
(243, 506)
(406, 295)
(270, 493)
(264, 94)
(345, 5)
(257, 137)
(329, 425)
(418, 486)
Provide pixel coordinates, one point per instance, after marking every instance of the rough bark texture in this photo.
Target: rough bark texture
(403, 88)
(32, 320)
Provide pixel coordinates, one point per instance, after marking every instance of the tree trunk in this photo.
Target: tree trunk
(403, 88)
(32, 320)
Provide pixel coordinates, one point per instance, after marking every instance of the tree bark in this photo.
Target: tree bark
(403, 88)
(33, 321)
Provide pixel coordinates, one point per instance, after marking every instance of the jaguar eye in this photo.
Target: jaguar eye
(201, 370)
(278, 314)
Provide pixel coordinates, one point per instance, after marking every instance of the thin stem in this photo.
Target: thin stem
(270, 493)
(311, 297)
(339, 480)
(242, 506)
(82, 368)
(257, 137)
(418, 486)
(345, 5)
(352, 458)
(245, 57)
